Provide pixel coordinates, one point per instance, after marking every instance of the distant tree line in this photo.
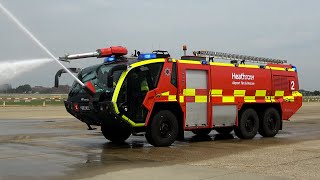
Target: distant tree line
(27, 89)
(309, 93)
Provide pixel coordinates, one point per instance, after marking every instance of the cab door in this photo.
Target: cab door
(137, 84)
(193, 85)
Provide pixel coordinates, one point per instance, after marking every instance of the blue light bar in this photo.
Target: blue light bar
(294, 68)
(109, 59)
(147, 56)
(204, 62)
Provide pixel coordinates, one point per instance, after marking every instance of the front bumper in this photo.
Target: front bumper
(93, 113)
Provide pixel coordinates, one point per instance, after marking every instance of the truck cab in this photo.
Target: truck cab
(121, 85)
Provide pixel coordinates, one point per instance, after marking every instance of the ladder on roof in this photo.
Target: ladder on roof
(237, 57)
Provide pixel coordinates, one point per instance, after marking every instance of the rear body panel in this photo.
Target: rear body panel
(212, 95)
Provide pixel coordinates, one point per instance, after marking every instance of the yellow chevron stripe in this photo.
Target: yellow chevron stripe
(189, 92)
(261, 93)
(279, 93)
(200, 99)
(239, 93)
(216, 92)
(181, 99)
(228, 99)
(249, 99)
(165, 93)
(172, 98)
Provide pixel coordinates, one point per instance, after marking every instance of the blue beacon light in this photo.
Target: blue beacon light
(204, 62)
(147, 56)
(109, 59)
(294, 68)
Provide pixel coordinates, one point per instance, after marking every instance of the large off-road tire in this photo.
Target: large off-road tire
(162, 129)
(116, 133)
(224, 130)
(270, 122)
(201, 132)
(248, 124)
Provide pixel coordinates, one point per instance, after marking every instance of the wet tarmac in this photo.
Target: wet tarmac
(63, 149)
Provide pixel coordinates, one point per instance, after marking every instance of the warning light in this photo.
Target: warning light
(294, 68)
(147, 56)
(76, 107)
(109, 59)
(204, 62)
(184, 47)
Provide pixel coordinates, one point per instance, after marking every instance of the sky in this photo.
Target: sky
(283, 29)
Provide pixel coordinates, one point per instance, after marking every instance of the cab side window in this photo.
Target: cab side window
(155, 71)
(174, 74)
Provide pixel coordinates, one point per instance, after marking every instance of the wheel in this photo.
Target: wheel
(270, 123)
(116, 133)
(201, 132)
(248, 124)
(224, 130)
(163, 129)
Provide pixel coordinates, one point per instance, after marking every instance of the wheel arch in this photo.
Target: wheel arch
(174, 107)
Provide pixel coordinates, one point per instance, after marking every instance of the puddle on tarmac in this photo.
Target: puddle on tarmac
(19, 160)
(71, 154)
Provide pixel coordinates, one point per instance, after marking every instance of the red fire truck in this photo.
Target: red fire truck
(163, 97)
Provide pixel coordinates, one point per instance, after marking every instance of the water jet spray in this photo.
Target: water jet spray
(88, 87)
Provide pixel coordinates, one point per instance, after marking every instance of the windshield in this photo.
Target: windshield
(98, 76)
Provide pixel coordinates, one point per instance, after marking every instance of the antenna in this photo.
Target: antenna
(242, 58)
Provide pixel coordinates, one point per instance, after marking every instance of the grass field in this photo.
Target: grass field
(32, 99)
(311, 99)
(33, 95)
(57, 99)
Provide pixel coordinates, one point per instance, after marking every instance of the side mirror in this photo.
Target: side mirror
(61, 71)
(112, 70)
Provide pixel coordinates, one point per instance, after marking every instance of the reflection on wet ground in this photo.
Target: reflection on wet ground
(35, 149)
